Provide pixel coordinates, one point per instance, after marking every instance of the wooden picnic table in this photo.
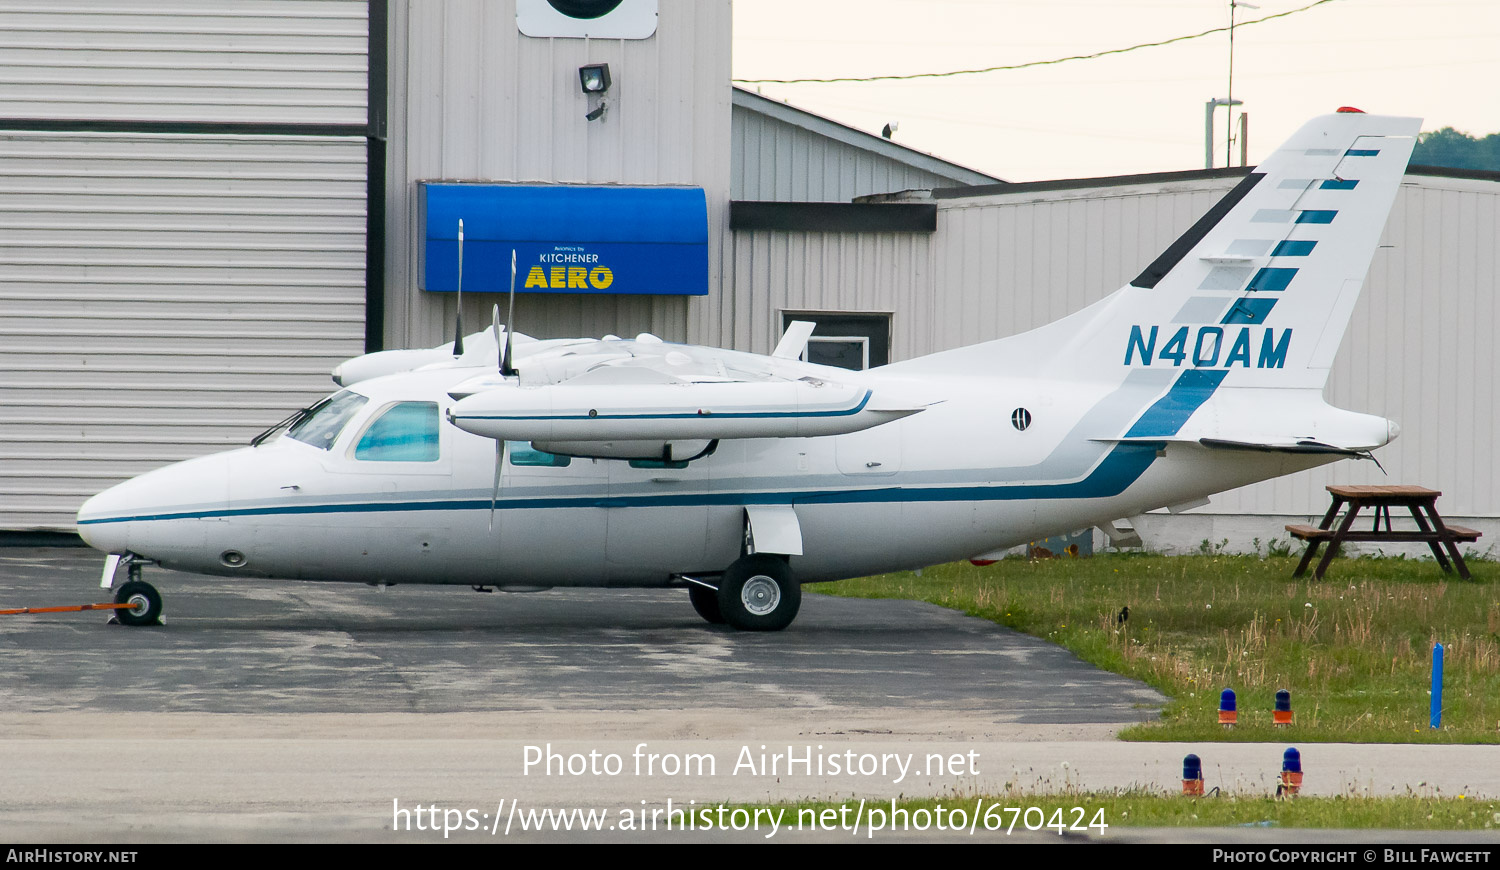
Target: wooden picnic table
(1421, 501)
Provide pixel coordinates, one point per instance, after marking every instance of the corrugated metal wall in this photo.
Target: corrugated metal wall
(767, 273)
(777, 161)
(164, 291)
(473, 99)
(184, 60)
(1007, 264)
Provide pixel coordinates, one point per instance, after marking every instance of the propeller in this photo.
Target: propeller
(507, 369)
(458, 316)
(499, 442)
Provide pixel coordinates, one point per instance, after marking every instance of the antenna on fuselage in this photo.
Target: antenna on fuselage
(458, 317)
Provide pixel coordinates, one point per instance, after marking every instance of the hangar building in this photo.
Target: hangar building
(207, 204)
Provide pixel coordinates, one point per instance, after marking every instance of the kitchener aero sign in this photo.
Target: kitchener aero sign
(567, 238)
(590, 275)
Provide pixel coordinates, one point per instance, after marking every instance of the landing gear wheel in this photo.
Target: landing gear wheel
(147, 601)
(706, 602)
(758, 593)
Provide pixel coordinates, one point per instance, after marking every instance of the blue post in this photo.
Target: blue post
(1437, 685)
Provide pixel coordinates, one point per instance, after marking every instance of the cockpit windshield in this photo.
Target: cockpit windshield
(323, 422)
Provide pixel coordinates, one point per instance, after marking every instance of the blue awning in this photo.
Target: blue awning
(567, 239)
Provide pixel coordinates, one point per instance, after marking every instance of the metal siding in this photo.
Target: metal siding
(473, 99)
(768, 273)
(162, 297)
(1008, 264)
(780, 162)
(284, 61)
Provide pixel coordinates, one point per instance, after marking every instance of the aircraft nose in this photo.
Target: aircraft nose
(95, 525)
(129, 515)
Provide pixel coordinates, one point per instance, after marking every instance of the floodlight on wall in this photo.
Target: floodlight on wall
(594, 78)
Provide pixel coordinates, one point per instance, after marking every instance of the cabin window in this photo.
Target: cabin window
(522, 453)
(321, 425)
(407, 432)
(658, 463)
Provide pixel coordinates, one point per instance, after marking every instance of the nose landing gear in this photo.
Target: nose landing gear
(145, 601)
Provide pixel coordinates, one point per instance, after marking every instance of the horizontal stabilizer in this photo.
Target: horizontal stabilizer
(1303, 445)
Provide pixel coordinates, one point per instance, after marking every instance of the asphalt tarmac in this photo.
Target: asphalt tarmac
(285, 711)
(246, 646)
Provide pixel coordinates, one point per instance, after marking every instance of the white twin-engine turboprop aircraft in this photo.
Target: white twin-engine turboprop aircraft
(640, 463)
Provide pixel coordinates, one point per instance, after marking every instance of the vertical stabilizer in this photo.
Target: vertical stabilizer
(1259, 291)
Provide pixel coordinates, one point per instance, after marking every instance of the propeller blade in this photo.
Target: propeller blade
(458, 317)
(499, 464)
(495, 325)
(506, 369)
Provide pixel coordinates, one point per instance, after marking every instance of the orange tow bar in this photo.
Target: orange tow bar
(74, 608)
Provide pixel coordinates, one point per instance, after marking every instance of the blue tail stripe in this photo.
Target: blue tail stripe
(1171, 411)
(1272, 280)
(1290, 248)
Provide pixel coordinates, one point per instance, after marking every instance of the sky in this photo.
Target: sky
(1142, 111)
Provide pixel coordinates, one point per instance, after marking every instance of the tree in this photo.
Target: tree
(1451, 148)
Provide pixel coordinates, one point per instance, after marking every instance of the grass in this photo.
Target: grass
(1142, 809)
(1354, 650)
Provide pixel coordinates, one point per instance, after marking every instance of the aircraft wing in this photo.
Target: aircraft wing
(644, 397)
(649, 392)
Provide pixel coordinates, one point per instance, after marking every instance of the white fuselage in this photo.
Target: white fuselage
(954, 481)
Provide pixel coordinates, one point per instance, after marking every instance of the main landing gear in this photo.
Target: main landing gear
(145, 600)
(756, 593)
(706, 602)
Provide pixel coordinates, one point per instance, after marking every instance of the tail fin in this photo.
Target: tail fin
(1259, 290)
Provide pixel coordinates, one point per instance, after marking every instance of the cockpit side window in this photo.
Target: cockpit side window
(407, 432)
(323, 422)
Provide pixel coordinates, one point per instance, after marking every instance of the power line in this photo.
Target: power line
(1034, 63)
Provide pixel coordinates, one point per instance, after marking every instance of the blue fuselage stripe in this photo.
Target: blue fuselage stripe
(1124, 464)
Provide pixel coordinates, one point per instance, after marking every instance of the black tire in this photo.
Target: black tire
(706, 602)
(147, 601)
(758, 593)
